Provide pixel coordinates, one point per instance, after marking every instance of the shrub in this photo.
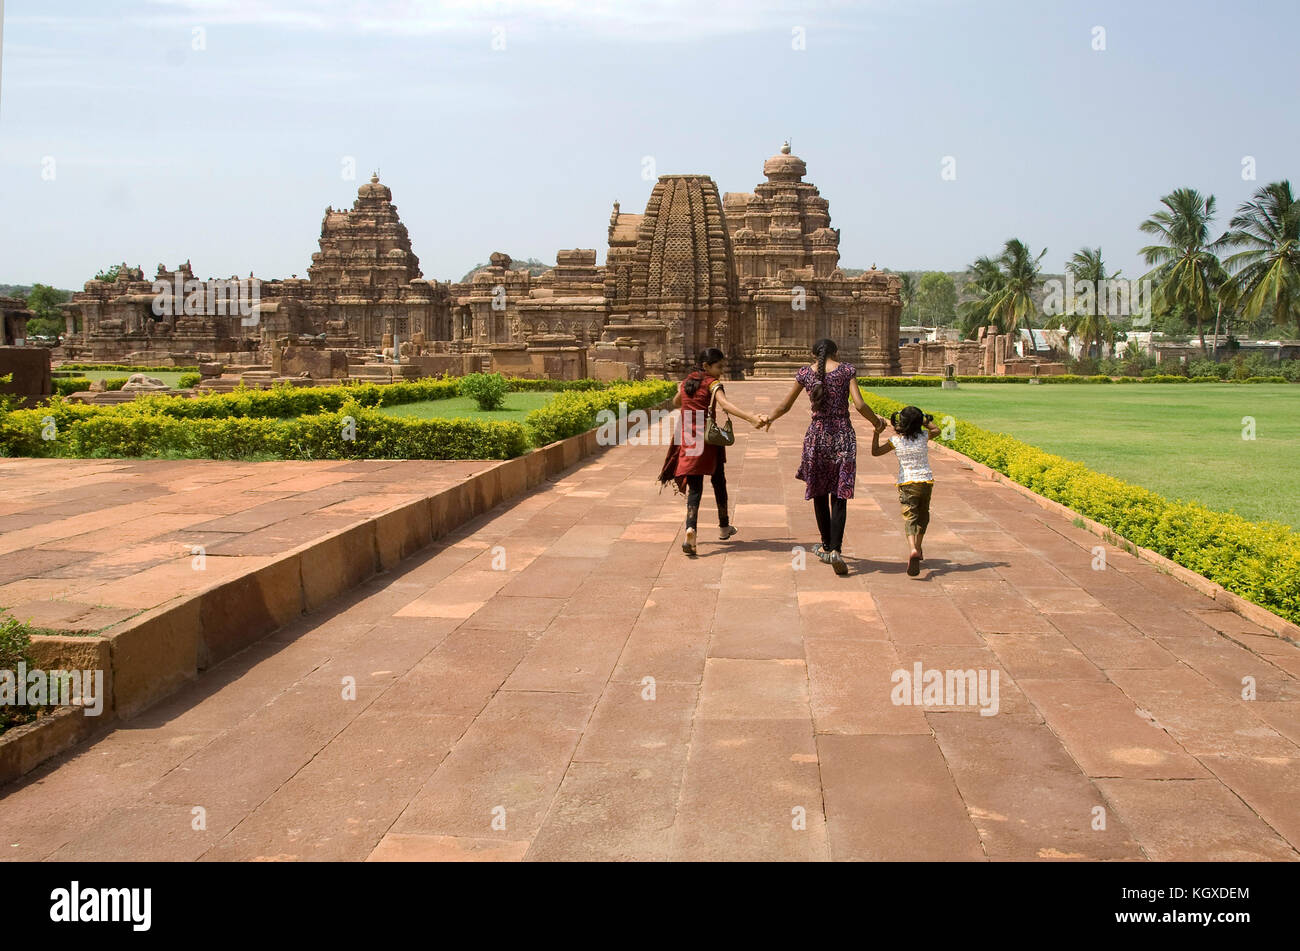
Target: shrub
(188, 381)
(575, 412)
(285, 422)
(353, 432)
(1260, 561)
(125, 368)
(115, 382)
(15, 643)
(67, 385)
(523, 385)
(488, 390)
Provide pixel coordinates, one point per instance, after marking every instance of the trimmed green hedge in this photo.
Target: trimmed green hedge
(575, 412)
(67, 385)
(353, 432)
(303, 423)
(1260, 561)
(188, 381)
(519, 384)
(124, 368)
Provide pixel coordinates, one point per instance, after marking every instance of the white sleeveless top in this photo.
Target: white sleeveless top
(913, 458)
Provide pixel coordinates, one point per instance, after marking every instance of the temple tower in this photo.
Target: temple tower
(366, 274)
(676, 290)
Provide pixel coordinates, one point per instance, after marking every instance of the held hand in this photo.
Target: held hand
(761, 420)
(880, 425)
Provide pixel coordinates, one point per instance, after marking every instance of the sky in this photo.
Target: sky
(219, 130)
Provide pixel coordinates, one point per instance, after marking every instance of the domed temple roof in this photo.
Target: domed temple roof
(784, 167)
(372, 189)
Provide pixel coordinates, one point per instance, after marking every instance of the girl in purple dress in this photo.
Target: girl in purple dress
(830, 448)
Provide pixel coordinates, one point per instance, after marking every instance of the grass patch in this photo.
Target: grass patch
(171, 377)
(516, 407)
(1184, 442)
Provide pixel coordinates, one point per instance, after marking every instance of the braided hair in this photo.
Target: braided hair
(909, 421)
(704, 358)
(821, 350)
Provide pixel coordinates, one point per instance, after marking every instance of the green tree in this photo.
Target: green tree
(908, 295)
(936, 299)
(985, 281)
(1266, 271)
(1007, 297)
(1090, 324)
(1185, 269)
(43, 302)
(109, 274)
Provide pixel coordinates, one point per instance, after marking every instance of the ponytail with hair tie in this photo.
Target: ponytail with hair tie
(821, 349)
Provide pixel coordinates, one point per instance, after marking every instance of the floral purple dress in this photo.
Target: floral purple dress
(830, 447)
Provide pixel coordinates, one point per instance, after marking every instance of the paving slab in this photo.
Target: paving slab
(556, 680)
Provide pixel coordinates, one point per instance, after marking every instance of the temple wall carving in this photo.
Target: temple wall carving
(753, 273)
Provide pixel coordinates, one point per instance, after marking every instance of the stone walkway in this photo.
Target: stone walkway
(558, 681)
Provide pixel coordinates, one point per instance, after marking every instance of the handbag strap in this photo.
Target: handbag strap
(713, 399)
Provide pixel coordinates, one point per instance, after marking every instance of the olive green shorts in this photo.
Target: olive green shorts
(914, 497)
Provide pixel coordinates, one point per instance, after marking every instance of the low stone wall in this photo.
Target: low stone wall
(30, 367)
(154, 654)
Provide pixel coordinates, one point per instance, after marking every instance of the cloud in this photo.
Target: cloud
(622, 19)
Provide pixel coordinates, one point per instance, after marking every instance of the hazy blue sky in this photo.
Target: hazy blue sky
(228, 155)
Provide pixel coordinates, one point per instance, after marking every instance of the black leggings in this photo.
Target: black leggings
(695, 492)
(831, 511)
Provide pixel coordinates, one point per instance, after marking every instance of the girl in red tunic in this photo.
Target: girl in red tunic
(690, 458)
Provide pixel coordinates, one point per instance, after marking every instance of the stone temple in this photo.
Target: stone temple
(753, 273)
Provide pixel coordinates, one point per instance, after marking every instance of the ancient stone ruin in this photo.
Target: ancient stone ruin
(755, 274)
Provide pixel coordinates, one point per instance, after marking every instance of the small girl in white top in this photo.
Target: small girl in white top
(913, 429)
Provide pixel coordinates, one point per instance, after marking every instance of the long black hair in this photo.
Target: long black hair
(706, 356)
(909, 421)
(821, 350)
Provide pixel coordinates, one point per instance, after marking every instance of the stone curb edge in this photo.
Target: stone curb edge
(152, 655)
(1278, 626)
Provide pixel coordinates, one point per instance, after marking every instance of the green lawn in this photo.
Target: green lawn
(172, 379)
(517, 406)
(1181, 440)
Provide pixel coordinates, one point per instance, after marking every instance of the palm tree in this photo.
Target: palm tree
(1266, 274)
(1012, 304)
(1092, 328)
(907, 293)
(986, 281)
(1185, 269)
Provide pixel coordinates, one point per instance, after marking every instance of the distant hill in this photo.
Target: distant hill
(531, 265)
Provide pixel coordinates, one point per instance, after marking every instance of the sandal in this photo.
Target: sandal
(688, 545)
(837, 562)
(914, 565)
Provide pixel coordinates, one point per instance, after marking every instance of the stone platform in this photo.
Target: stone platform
(86, 544)
(556, 680)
